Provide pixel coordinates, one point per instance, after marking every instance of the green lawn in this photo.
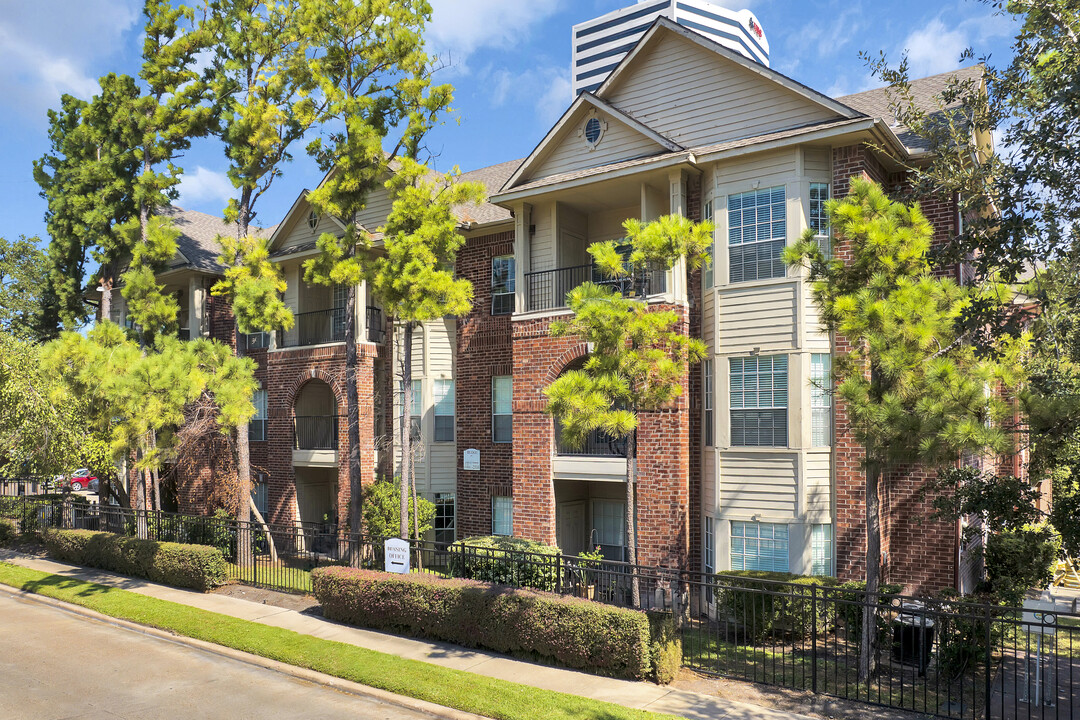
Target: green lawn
(444, 686)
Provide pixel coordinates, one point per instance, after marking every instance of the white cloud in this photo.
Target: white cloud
(547, 89)
(459, 28)
(46, 51)
(934, 48)
(204, 185)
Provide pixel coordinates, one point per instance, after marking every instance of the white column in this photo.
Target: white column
(677, 206)
(522, 251)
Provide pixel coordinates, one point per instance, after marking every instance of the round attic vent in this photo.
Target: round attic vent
(592, 131)
(313, 219)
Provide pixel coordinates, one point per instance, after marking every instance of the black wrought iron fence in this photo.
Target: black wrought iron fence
(935, 657)
(314, 328)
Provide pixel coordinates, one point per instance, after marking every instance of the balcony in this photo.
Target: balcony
(315, 328)
(597, 444)
(315, 432)
(599, 458)
(376, 327)
(547, 289)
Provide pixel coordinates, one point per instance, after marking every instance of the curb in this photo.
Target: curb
(311, 676)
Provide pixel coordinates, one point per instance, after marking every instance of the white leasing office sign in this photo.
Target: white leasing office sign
(397, 555)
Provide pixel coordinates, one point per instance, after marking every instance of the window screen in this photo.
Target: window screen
(757, 233)
(444, 411)
(759, 401)
(759, 546)
(821, 399)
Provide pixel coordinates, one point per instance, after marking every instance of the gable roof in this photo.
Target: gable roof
(925, 92)
(492, 177)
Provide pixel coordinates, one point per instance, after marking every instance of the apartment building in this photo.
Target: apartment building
(753, 467)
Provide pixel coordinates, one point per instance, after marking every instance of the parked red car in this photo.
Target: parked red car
(81, 479)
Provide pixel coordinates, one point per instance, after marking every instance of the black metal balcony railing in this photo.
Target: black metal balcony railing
(597, 444)
(314, 328)
(315, 432)
(547, 289)
(376, 328)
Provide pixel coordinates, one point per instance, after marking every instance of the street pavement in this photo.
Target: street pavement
(54, 664)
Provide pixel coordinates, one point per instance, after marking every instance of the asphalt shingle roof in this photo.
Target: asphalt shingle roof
(198, 238)
(924, 91)
(493, 178)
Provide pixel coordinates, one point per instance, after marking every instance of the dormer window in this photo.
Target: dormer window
(592, 131)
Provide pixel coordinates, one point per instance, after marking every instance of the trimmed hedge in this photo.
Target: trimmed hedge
(665, 650)
(8, 532)
(189, 566)
(572, 632)
(505, 560)
(762, 607)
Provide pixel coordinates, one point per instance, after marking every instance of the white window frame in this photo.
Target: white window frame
(748, 395)
(759, 546)
(507, 288)
(257, 424)
(443, 392)
(767, 231)
(821, 406)
(608, 518)
(821, 550)
(443, 524)
(507, 380)
(707, 275)
(816, 217)
(708, 413)
(502, 515)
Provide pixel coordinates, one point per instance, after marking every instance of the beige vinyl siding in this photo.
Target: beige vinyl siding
(440, 348)
(607, 225)
(818, 482)
(694, 96)
(708, 317)
(301, 232)
(759, 483)
(765, 167)
(570, 152)
(709, 498)
(542, 244)
(817, 337)
(378, 207)
(817, 161)
(762, 317)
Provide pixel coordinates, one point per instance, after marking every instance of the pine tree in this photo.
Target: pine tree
(914, 388)
(258, 81)
(638, 354)
(413, 277)
(369, 64)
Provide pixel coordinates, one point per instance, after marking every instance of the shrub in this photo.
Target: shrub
(506, 560)
(849, 607)
(1017, 560)
(382, 509)
(572, 632)
(8, 532)
(665, 647)
(190, 566)
(960, 631)
(764, 604)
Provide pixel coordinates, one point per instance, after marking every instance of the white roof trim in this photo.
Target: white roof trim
(662, 24)
(300, 200)
(580, 100)
(653, 163)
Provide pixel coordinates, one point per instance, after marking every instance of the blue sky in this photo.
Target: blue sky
(509, 62)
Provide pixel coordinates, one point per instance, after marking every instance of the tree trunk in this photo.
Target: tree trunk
(868, 649)
(352, 410)
(244, 555)
(266, 529)
(105, 309)
(631, 526)
(406, 426)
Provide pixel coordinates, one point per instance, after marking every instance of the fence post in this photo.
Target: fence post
(558, 573)
(813, 637)
(988, 660)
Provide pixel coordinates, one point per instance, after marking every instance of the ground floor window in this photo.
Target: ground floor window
(821, 544)
(608, 521)
(710, 555)
(502, 515)
(261, 491)
(759, 546)
(445, 525)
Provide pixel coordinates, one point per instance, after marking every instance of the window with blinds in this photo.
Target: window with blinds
(821, 550)
(257, 424)
(707, 273)
(608, 519)
(707, 400)
(757, 233)
(759, 387)
(820, 400)
(502, 515)
(502, 417)
(818, 219)
(444, 410)
(759, 546)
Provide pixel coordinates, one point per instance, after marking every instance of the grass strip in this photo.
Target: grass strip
(412, 678)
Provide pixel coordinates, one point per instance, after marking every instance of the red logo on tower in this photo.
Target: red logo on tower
(754, 27)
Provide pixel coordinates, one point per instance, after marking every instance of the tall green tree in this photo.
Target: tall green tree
(370, 68)
(639, 354)
(88, 180)
(259, 84)
(27, 308)
(412, 278)
(914, 388)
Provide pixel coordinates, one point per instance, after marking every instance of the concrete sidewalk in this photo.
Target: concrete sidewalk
(643, 695)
